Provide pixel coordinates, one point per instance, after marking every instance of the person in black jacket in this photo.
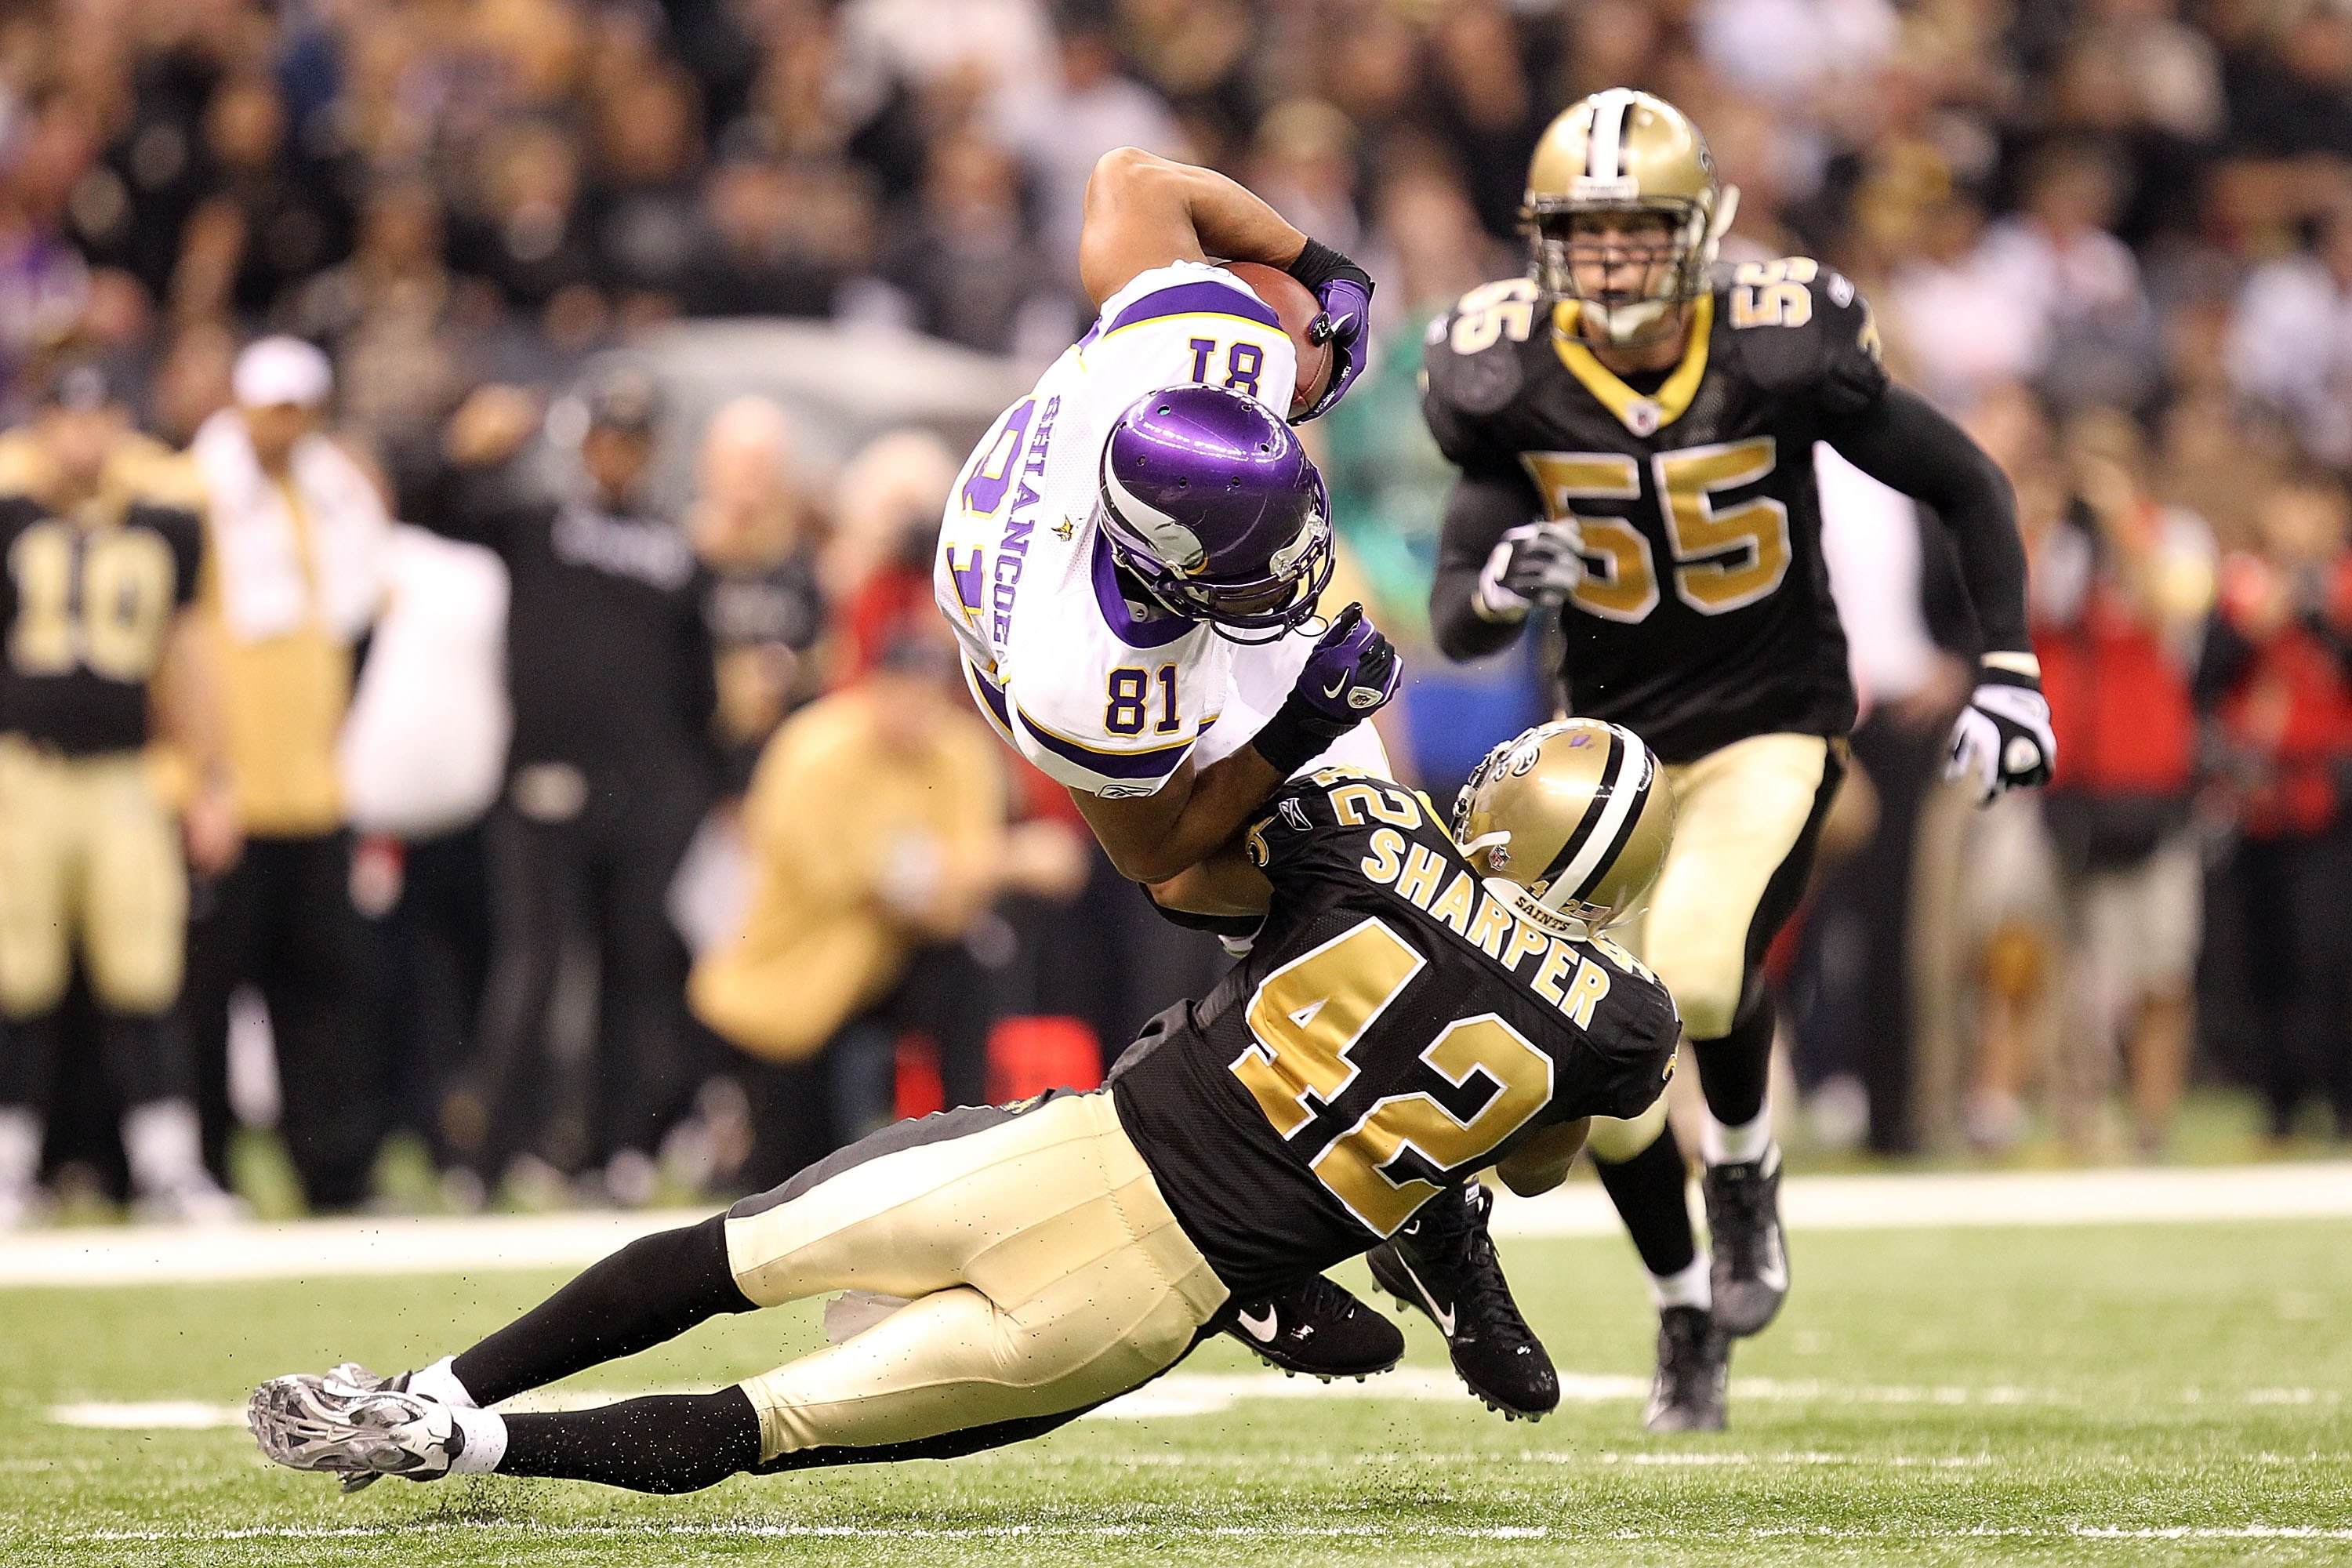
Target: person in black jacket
(609, 672)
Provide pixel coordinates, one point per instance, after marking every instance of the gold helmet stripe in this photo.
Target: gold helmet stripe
(1594, 807)
(1604, 143)
(1625, 785)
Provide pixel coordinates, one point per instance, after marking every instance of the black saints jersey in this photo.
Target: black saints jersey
(1705, 615)
(87, 605)
(1397, 1028)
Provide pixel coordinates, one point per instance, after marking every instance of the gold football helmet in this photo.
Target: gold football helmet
(1577, 812)
(1624, 152)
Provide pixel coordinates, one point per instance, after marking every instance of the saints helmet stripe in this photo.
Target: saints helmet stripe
(1605, 141)
(1624, 785)
(1594, 809)
(1636, 797)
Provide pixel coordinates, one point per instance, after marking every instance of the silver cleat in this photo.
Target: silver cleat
(353, 1425)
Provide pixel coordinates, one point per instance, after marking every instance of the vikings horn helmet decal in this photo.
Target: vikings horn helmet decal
(1209, 501)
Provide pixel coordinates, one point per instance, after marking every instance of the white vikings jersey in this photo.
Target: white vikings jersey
(1103, 701)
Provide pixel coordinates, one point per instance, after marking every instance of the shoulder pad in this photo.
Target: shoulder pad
(1470, 358)
(1804, 328)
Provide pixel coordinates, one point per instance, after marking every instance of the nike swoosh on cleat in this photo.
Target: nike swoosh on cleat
(1445, 1316)
(1262, 1330)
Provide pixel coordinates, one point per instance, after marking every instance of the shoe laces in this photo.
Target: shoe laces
(1455, 1235)
(1324, 1302)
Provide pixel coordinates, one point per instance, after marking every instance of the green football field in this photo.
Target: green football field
(2131, 1394)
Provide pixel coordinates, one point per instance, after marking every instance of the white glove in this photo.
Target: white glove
(2002, 740)
(1534, 563)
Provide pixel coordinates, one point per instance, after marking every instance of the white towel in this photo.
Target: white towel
(264, 591)
(424, 748)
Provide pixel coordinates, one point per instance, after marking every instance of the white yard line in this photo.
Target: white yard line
(1184, 1393)
(135, 1254)
(1172, 1532)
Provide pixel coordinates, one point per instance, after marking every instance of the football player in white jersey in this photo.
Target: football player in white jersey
(1132, 558)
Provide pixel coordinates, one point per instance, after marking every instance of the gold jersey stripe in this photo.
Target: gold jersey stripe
(1642, 415)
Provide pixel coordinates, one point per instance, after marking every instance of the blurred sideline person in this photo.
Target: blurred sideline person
(297, 533)
(1635, 430)
(1132, 554)
(752, 524)
(877, 830)
(609, 678)
(1420, 1004)
(100, 530)
(2276, 690)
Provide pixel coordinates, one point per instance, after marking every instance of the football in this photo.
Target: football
(1297, 306)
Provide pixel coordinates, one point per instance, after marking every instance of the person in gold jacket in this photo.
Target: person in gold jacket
(297, 533)
(876, 822)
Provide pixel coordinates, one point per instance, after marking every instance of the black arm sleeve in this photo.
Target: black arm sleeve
(1482, 507)
(1903, 440)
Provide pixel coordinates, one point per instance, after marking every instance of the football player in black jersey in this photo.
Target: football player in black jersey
(1635, 431)
(1410, 1012)
(100, 545)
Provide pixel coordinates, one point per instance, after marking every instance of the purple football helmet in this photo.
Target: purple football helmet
(1210, 503)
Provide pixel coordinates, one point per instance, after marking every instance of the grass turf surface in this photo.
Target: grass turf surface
(2133, 1395)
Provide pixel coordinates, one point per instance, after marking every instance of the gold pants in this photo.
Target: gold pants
(1740, 814)
(1043, 1269)
(87, 851)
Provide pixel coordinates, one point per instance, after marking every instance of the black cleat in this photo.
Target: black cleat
(1750, 1269)
(1443, 1262)
(1693, 1368)
(1316, 1327)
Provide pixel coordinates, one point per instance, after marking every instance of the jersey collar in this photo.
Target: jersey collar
(1642, 415)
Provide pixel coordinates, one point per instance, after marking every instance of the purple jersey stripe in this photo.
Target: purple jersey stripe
(1204, 298)
(1152, 765)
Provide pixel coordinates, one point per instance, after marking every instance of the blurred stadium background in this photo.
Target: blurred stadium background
(2113, 235)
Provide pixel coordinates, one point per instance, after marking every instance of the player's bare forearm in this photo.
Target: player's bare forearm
(1541, 1163)
(1144, 211)
(1224, 884)
(1155, 838)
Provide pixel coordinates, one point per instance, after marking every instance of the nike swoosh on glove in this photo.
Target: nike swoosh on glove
(1350, 676)
(2002, 740)
(1534, 562)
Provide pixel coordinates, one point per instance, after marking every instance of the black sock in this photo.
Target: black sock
(1733, 1071)
(1649, 1192)
(667, 1443)
(653, 1290)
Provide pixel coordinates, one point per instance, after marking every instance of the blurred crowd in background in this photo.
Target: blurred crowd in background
(503, 915)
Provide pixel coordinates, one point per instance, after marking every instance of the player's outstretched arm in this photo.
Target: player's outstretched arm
(2003, 739)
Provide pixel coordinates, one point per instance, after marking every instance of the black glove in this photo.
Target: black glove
(1345, 290)
(1350, 676)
